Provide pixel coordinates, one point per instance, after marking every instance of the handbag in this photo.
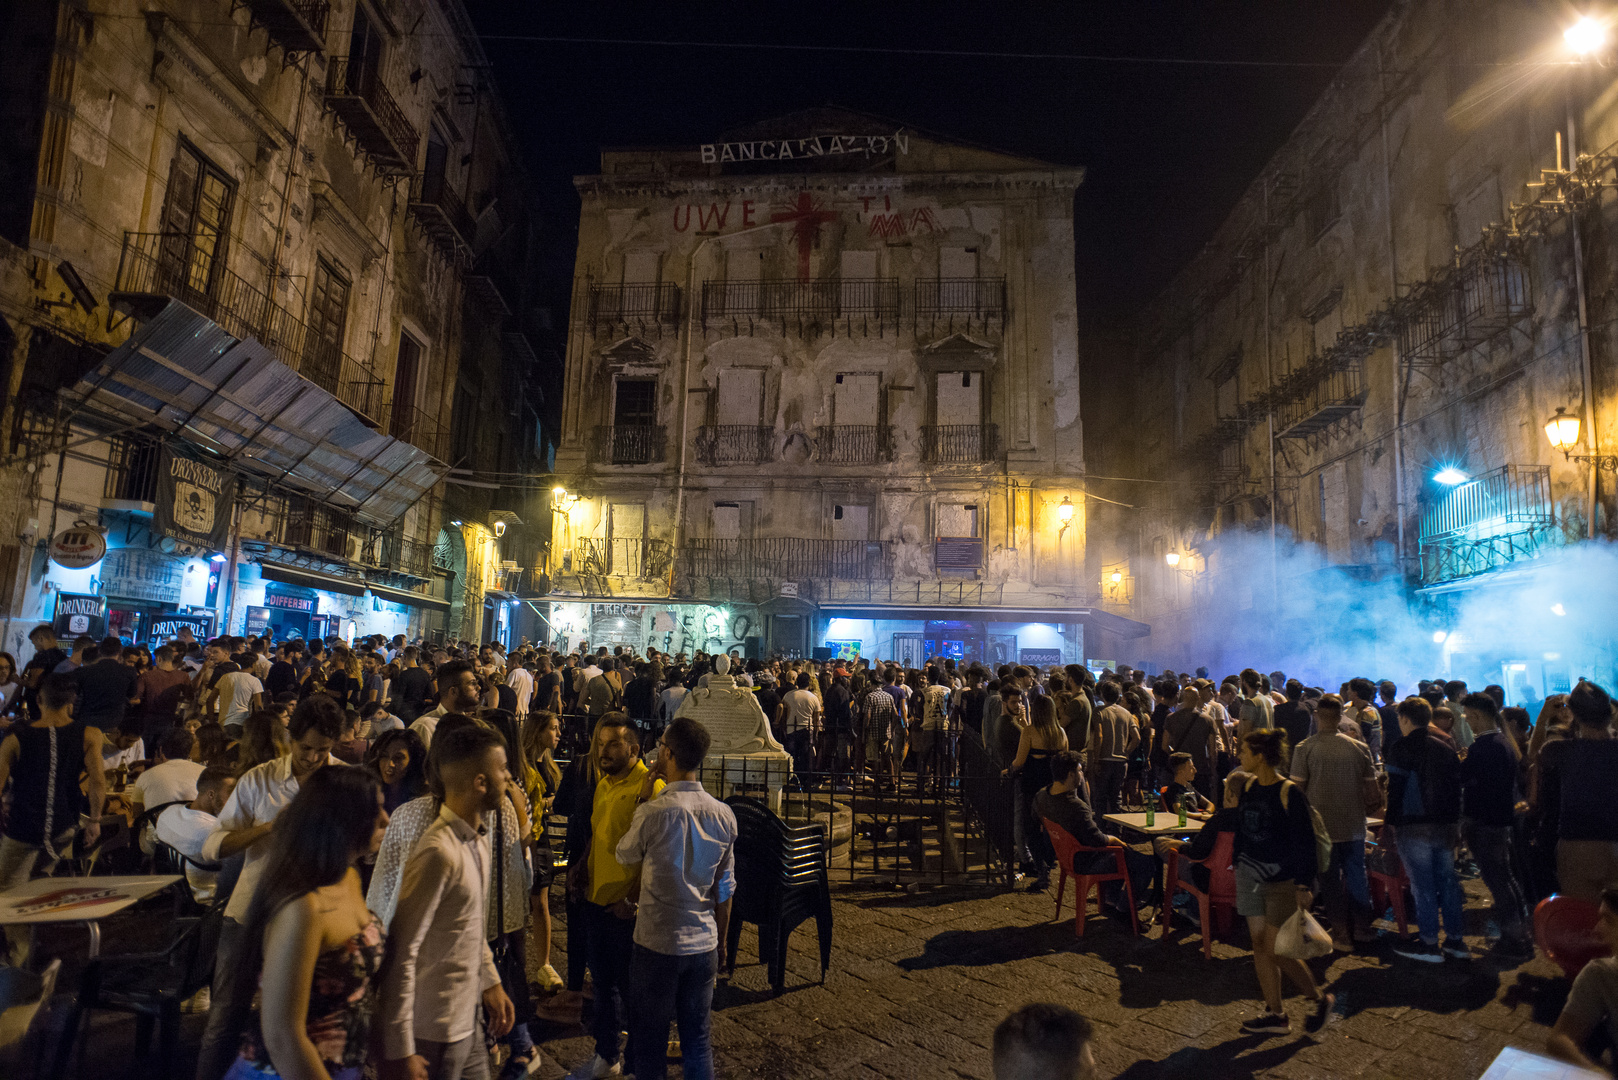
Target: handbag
(1302, 938)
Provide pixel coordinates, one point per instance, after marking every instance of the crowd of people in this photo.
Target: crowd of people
(382, 821)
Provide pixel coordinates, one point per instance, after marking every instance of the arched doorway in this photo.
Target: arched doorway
(449, 555)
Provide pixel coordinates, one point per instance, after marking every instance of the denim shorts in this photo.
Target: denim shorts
(1274, 901)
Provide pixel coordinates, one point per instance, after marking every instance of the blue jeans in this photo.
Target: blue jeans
(663, 988)
(1428, 852)
(1348, 859)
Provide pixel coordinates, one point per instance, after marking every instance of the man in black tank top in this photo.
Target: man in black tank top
(47, 757)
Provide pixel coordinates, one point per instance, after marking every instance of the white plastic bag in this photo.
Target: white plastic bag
(1302, 938)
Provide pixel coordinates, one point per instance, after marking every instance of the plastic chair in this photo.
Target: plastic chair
(1221, 888)
(1390, 889)
(1566, 929)
(781, 881)
(1066, 848)
(22, 997)
(152, 986)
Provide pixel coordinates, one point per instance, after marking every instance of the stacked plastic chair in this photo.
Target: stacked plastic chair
(781, 882)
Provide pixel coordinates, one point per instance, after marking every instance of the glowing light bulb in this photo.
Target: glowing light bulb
(1439, 636)
(1585, 36)
(1450, 475)
(1117, 577)
(1558, 609)
(1172, 558)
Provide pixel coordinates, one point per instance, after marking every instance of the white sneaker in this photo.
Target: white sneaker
(549, 980)
(596, 1068)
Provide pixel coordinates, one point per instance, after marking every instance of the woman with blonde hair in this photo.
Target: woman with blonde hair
(1042, 738)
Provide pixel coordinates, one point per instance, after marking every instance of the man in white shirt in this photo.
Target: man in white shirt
(172, 779)
(123, 745)
(684, 841)
(521, 681)
(244, 822)
(439, 964)
(800, 723)
(240, 695)
(457, 693)
(193, 830)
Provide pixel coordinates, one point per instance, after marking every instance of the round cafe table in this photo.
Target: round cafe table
(77, 900)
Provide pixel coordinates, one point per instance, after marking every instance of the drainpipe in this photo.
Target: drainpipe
(1393, 291)
(1585, 374)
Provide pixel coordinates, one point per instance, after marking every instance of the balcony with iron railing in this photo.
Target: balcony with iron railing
(406, 556)
(852, 444)
(787, 558)
(960, 444)
(441, 214)
(869, 302)
(735, 444)
(624, 557)
(629, 444)
(316, 528)
(132, 465)
(964, 301)
(155, 268)
(1502, 517)
(419, 428)
(354, 91)
(298, 26)
(654, 304)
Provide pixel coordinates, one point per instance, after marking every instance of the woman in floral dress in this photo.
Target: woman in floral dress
(309, 941)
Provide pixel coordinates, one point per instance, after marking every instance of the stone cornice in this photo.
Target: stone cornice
(792, 183)
(216, 79)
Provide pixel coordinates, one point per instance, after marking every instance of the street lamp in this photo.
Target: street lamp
(1172, 558)
(1585, 36)
(1563, 432)
(1064, 514)
(1449, 476)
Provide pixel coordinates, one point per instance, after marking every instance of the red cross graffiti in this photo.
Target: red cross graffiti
(806, 228)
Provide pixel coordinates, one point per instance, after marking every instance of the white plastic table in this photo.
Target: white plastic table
(69, 900)
(1515, 1064)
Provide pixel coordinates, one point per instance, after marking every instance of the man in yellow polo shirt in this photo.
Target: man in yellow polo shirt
(609, 888)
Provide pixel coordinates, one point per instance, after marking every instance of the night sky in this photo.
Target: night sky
(1168, 147)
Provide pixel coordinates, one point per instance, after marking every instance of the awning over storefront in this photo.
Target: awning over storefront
(409, 599)
(309, 579)
(500, 594)
(1100, 620)
(183, 373)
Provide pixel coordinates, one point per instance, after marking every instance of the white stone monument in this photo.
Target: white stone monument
(743, 754)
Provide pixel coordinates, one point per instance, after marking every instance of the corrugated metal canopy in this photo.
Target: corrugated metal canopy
(181, 372)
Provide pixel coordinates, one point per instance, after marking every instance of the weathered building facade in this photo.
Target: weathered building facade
(1358, 370)
(822, 393)
(255, 239)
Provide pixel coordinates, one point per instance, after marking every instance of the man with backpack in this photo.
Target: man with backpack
(605, 692)
(1335, 772)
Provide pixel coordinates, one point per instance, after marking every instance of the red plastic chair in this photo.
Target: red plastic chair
(1221, 889)
(1067, 847)
(1390, 889)
(1566, 929)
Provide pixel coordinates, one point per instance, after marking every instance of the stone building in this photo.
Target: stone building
(1357, 371)
(822, 393)
(261, 267)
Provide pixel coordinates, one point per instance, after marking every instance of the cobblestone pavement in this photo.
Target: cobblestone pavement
(919, 981)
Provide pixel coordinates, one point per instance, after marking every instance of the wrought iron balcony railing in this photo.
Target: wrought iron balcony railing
(298, 26)
(735, 444)
(419, 428)
(157, 267)
(317, 528)
(132, 470)
(649, 304)
(623, 557)
(629, 444)
(1502, 517)
(404, 555)
(966, 300)
(787, 558)
(852, 444)
(354, 91)
(875, 300)
(441, 214)
(960, 444)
